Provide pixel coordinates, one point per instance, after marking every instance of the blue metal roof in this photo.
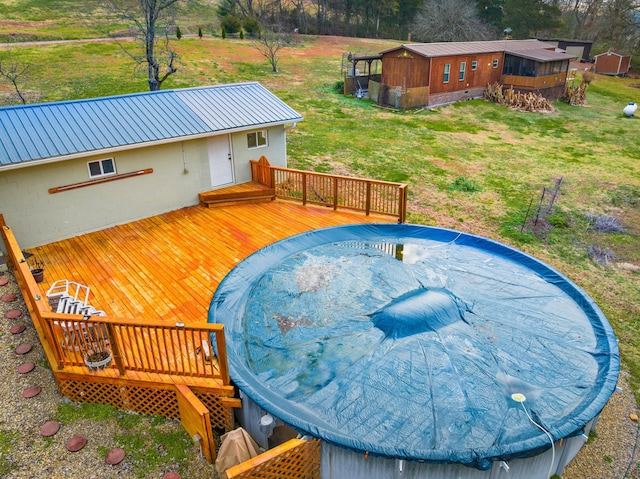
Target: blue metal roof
(49, 130)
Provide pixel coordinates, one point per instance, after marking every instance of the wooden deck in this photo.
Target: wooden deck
(167, 267)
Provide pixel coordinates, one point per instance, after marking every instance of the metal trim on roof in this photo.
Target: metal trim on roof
(469, 48)
(541, 55)
(48, 131)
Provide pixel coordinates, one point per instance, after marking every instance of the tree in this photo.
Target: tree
(199, 32)
(491, 12)
(620, 28)
(449, 21)
(152, 22)
(178, 33)
(531, 18)
(581, 18)
(15, 72)
(269, 45)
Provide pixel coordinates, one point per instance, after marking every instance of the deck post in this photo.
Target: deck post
(367, 207)
(402, 206)
(221, 346)
(115, 347)
(335, 193)
(304, 188)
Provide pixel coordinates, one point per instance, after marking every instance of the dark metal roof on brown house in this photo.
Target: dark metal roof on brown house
(541, 55)
(469, 48)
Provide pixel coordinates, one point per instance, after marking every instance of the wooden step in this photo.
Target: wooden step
(245, 193)
(237, 201)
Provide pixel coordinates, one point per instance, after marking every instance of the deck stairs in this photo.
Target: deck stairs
(250, 192)
(69, 297)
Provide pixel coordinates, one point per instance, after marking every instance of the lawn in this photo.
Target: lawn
(472, 166)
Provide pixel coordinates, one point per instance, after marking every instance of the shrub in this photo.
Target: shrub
(231, 24)
(199, 32)
(241, 35)
(252, 27)
(178, 33)
(223, 32)
(463, 184)
(605, 224)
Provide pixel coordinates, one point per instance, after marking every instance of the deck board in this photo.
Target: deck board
(168, 266)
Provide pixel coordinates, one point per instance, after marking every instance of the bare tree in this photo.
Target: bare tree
(449, 21)
(270, 43)
(14, 71)
(581, 17)
(152, 22)
(620, 28)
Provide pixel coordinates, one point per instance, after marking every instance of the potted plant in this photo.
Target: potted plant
(98, 356)
(37, 270)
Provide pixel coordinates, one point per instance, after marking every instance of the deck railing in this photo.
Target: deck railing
(151, 346)
(359, 194)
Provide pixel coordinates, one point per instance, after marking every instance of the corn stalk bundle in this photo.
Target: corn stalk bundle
(529, 101)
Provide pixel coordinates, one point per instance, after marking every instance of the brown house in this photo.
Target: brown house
(427, 74)
(611, 63)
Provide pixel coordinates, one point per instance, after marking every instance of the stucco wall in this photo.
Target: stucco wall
(275, 151)
(38, 217)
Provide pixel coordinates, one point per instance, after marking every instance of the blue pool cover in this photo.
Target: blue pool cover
(408, 342)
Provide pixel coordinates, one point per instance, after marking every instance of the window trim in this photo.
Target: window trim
(265, 135)
(463, 71)
(474, 65)
(102, 174)
(446, 74)
(496, 63)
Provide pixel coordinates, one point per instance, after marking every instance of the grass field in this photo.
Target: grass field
(472, 166)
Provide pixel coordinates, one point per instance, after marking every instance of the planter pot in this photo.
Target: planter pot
(96, 359)
(38, 275)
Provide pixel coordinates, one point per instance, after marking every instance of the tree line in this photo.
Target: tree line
(611, 24)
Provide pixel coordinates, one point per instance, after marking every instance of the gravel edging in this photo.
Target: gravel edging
(29, 455)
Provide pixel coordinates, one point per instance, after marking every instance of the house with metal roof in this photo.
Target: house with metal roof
(72, 167)
(425, 74)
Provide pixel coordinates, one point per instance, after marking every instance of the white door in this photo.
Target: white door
(220, 162)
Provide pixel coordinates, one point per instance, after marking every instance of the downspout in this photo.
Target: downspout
(290, 127)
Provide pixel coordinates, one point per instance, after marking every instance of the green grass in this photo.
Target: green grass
(7, 439)
(152, 443)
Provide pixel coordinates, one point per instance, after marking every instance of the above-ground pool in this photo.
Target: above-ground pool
(416, 343)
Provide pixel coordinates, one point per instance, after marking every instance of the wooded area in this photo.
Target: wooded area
(610, 24)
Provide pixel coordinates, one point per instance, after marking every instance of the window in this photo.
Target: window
(447, 70)
(463, 69)
(257, 139)
(100, 168)
(474, 65)
(495, 63)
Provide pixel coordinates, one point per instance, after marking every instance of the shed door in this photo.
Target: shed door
(220, 161)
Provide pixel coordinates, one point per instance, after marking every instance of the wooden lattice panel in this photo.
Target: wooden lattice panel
(156, 402)
(221, 416)
(97, 393)
(300, 462)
